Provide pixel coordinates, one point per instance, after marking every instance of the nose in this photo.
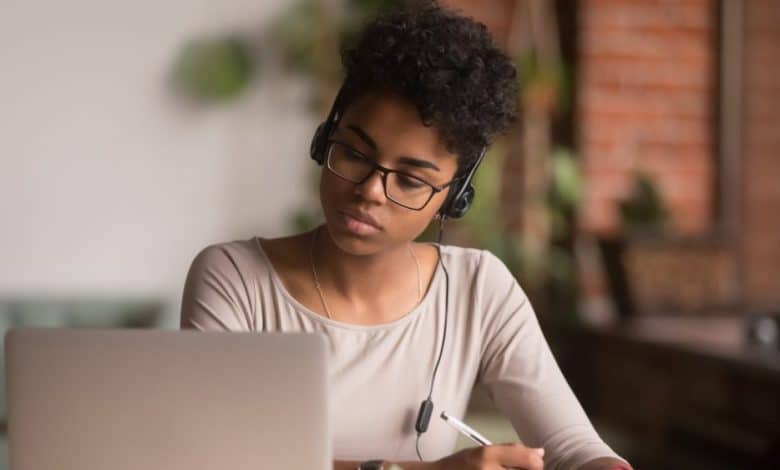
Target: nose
(373, 187)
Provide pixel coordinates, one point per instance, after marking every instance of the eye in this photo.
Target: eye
(347, 153)
(354, 155)
(409, 182)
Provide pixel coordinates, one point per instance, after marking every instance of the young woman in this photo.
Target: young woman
(425, 92)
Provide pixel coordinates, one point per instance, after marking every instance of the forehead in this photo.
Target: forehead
(394, 123)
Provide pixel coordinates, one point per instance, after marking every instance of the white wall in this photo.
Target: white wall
(109, 183)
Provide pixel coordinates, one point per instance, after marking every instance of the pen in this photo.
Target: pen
(465, 429)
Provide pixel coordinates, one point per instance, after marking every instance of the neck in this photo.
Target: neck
(362, 277)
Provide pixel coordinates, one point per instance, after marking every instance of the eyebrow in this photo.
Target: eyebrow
(404, 159)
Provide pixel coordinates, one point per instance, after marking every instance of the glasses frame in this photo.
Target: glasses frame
(385, 171)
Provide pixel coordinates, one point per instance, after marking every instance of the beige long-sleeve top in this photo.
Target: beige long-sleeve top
(379, 374)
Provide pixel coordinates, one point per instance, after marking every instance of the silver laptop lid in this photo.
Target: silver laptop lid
(174, 400)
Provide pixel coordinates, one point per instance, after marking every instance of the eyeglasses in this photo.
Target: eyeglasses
(403, 189)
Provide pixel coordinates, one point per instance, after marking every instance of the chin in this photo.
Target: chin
(354, 244)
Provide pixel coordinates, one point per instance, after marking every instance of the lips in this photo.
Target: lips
(363, 217)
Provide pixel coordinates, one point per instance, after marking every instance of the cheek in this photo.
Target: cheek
(436, 203)
(332, 187)
(324, 187)
(415, 222)
(418, 221)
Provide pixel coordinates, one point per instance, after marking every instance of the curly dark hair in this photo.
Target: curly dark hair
(446, 64)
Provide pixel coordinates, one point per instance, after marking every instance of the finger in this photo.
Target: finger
(519, 456)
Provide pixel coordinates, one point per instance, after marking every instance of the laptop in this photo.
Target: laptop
(81, 399)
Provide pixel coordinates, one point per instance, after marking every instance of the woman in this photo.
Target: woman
(425, 93)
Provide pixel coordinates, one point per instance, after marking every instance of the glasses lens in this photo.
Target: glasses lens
(405, 190)
(408, 191)
(347, 163)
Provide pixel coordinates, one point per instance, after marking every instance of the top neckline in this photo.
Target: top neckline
(407, 317)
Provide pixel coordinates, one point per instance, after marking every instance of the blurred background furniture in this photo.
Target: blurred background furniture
(691, 392)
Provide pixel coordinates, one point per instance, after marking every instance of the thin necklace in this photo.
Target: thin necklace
(317, 279)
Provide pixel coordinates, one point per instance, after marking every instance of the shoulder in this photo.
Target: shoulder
(482, 277)
(256, 259)
(217, 291)
(227, 251)
(230, 259)
(476, 262)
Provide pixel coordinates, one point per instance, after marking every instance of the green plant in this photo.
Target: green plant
(298, 31)
(214, 68)
(544, 82)
(294, 33)
(565, 191)
(644, 211)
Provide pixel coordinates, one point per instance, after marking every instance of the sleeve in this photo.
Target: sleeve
(216, 297)
(520, 375)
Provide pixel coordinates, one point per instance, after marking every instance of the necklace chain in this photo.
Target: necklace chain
(317, 279)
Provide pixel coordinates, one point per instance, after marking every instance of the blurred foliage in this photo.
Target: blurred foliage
(214, 68)
(361, 11)
(373, 7)
(565, 192)
(544, 83)
(81, 311)
(297, 30)
(310, 216)
(303, 221)
(294, 33)
(564, 196)
(644, 211)
(485, 225)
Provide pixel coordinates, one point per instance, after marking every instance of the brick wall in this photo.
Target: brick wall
(761, 153)
(646, 101)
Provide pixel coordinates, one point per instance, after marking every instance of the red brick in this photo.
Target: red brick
(678, 153)
(669, 102)
(629, 73)
(641, 14)
(659, 45)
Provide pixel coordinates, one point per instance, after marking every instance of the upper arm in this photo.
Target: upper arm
(216, 294)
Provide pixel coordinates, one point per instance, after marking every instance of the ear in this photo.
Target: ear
(438, 215)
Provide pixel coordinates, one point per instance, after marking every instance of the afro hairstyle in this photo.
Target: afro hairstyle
(446, 64)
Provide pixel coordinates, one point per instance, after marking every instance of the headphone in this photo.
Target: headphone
(456, 205)
(461, 193)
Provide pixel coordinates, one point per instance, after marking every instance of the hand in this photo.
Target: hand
(494, 457)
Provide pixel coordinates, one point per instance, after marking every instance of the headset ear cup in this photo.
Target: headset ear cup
(462, 203)
(316, 149)
(319, 143)
(458, 202)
